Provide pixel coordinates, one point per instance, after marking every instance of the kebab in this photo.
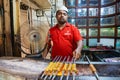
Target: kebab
(65, 68)
(46, 71)
(54, 67)
(69, 68)
(58, 68)
(74, 69)
(93, 68)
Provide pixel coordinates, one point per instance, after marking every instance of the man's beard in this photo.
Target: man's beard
(62, 21)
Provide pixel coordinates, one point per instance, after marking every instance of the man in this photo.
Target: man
(66, 39)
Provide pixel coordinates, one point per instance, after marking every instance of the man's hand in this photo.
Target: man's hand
(76, 54)
(77, 51)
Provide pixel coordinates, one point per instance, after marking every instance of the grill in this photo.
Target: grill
(104, 71)
(92, 67)
(102, 56)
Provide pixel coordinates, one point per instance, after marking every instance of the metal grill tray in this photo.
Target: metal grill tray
(89, 78)
(105, 71)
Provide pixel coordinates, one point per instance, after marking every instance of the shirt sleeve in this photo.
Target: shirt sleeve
(76, 34)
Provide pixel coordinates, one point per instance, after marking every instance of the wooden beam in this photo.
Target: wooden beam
(2, 49)
(8, 44)
(31, 4)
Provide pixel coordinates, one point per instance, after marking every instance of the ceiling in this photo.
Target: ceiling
(45, 4)
(38, 4)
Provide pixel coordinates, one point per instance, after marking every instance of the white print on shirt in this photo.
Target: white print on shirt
(67, 33)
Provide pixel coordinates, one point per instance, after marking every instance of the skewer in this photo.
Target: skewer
(93, 69)
(82, 58)
(59, 67)
(49, 66)
(69, 68)
(65, 68)
(53, 68)
(68, 75)
(73, 75)
(54, 75)
(74, 69)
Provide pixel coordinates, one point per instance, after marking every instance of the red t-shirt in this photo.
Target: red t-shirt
(64, 41)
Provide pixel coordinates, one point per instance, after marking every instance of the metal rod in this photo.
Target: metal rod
(45, 77)
(68, 76)
(102, 60)
(56, 64)
(103, 63)
(59, 67)
(51, 75)
(69, 68)
(83, 61)
(54, 75)
(50, 64)
(93, 68)
(65, 68)
(73, 75)
(74, 70)
(82, 58)
(62, 75)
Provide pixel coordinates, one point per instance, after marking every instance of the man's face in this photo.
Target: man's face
(61, 16)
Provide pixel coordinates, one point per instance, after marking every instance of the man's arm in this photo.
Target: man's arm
(45, 52)
(48, 46)
(77, 51)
